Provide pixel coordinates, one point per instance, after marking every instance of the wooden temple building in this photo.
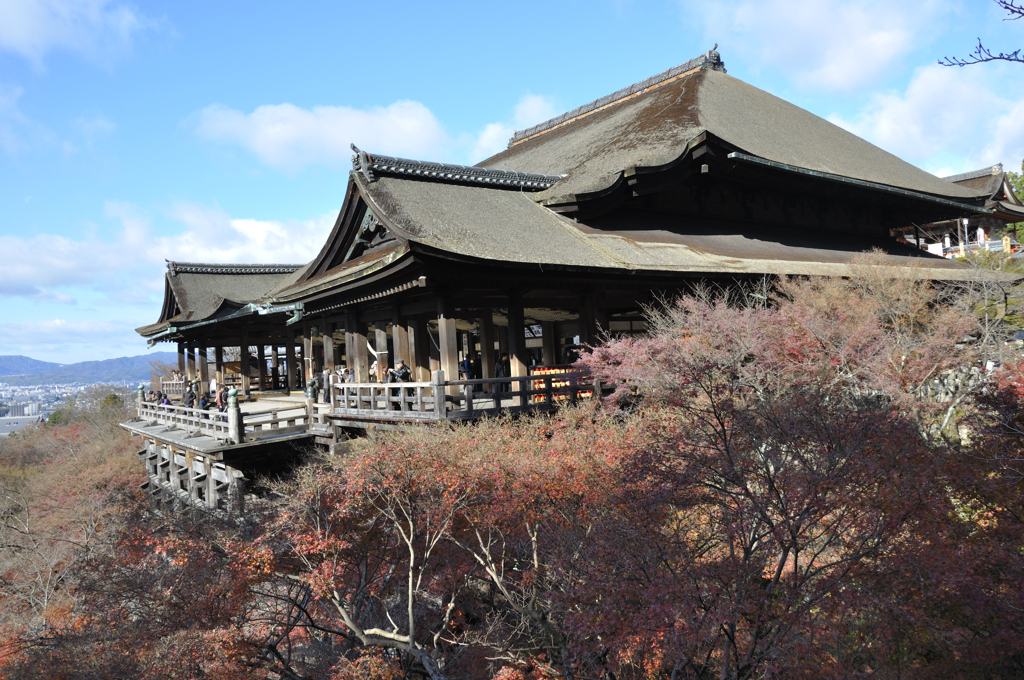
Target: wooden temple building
(689, 176)
(1002, 207)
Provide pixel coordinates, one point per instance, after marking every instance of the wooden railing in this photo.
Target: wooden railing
(390, 401)
(457, 399)
(436, 400)
(173, 388)
(231, 426)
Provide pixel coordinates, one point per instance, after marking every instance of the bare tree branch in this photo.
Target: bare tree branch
(982, 54)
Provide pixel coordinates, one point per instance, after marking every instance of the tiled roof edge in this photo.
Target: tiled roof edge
(368, 164)
(996, 169)
(709, 60)
(176, 268)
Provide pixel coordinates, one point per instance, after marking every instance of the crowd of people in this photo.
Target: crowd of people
(194, 396)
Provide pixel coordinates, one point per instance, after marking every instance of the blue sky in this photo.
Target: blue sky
(219, 132)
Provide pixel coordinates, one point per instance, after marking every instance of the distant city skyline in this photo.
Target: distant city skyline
(131, 133)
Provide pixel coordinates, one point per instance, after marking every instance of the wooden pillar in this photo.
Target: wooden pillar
(588, 322)
(516, 342)
(434, 351)
(181, 357)
(421, 348)
(191, 357)
(289, 359)
(360, 356)
(244, 360)
(549, 356)
(350, 344)
(218, 357)
(380, 343)
(400, 341)
(307, 353)
(261, 359)
(329, 352)
(502, 340)
(412, 360)
(487, 358)
(204, 368)
(319, 357)
(600, 314)
(447, 338)
(275, 375)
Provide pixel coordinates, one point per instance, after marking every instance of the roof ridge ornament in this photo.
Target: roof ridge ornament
(175, 268)
(710, 60)
(361, 163)
(369, 164)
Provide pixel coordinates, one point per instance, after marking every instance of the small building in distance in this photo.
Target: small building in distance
(9, 424)
(691, 176)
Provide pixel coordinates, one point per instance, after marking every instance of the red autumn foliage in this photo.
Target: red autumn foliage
(769, 494)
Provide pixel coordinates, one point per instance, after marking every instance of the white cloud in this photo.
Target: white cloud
(288, 137)
(64, 340)
(211, 235)
(530, 110)
(830, 44)
(127, 268)
(947, 120)
(291, 138)
(97, 29)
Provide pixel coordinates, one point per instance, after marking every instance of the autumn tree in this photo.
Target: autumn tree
(777, 488)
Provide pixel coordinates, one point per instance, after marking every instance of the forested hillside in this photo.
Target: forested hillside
(772, 492)
(20, 365)
(131, 369)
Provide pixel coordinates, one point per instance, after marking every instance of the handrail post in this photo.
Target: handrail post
(141, 399)
(235, 431)
(467, 393)
(440, 412)
(309, 406)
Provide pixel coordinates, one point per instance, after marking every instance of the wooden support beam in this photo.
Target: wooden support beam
(516, 342)
(434, 352)
(307, 353)
(360, 355)
(275, 375)
(600, 314)
(328, 341)
(289, 359)
(487, 357)
(380, 344)
(191, 357)
(218, 357)
(261, 359)
(588, 320)
(549, 352)
(204, 367)
(350, 358)
(447, 337)
(400, 341)
(181, 357)
(244, 360)
(422, 344)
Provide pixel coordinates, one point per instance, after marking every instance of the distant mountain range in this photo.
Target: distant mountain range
(19, 365)
(20, 370)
